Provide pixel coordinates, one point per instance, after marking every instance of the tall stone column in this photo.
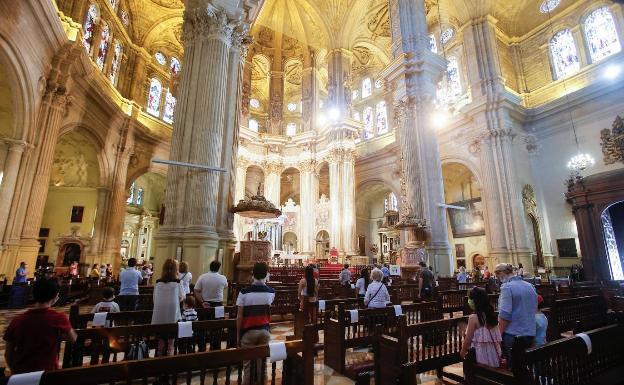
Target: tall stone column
(138, 90)
(241, 177)
(309, 196)
(349, 242)
(310, 89)
(335, 199)
(7, 188)
(414, 75)
(339, 87)
(272, 182)
(119, 192)
(197, 217)
(101, 217)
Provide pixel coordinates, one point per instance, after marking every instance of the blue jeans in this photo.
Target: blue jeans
(508, 341)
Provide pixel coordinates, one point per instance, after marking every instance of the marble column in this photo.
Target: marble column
(118, 197)
(335, 200)
(204, 132)
(349, 241)
(101, 217)
(10, 169)
(272, 182)
(414, 74)
(309, 197)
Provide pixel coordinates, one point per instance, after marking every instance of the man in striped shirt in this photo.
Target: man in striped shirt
(254, 314)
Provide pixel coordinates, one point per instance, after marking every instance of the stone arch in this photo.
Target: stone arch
(254, 180)
(98, 142)
(469, 164)
(290, 185)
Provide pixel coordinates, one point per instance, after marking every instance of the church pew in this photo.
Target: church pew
(581, 313)
(419, 348)
(103, 345)
(617, 304)
(135, 302)
(198, 368)
(451, 301)
(307, 317)
(566, 361)
(403, 293)
(94, 292)
(137, 317)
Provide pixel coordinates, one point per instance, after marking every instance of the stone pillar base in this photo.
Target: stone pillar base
(198, 251)
(440, 259)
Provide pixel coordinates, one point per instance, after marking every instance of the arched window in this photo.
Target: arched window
(368, 122)
(453, 78)
(382, 118)
(103, 48)
(116, 63)
(602, 37)
(291, 129)
(253, 125)
(391, 203)
(87, 38)
(170, 102)
(160, 58)
(153, 98)
(175, 66)
(130, 199)
(367, 88)
(433, 46)
(564, 56)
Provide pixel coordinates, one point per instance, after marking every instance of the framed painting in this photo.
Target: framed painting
(76, 214)
(567, 248)
(468, 222)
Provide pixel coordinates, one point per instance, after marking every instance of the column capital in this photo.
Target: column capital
(242, 162)
(307, 165)
(273, 167)
(337, 155)
(57, 97)
(206, 21)
(18, 146)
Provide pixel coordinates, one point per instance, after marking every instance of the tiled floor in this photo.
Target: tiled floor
(324, 375)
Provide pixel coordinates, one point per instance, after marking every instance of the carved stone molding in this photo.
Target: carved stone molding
(212, 22)
(242, 162)
(529, 201)
(612, 142)
(307, 166)
(337, 155)
(273, 167)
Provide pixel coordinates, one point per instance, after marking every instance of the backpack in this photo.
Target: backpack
(137, 351)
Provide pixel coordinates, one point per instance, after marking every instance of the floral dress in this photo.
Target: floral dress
(487, 344)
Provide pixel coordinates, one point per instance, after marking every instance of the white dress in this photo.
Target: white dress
(167, 298)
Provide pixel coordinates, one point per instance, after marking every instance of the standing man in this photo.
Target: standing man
(209, 286)
(517, 305)
(425, 282)
(345, 276)
(130, 279)
(20, 273)
(254, 315)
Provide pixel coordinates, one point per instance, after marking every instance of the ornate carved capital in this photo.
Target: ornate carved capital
(307, 166)
(57, 97)
(212, 22)
(337, 155)
(273, 167)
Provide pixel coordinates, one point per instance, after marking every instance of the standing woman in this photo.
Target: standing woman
(483, 333)
(168, 294)
(308, 287)
(376, 293)
(95, 271)
(185, 277)
(362, 283)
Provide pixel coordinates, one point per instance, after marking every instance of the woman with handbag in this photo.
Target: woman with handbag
(482, 333)
(376, 293)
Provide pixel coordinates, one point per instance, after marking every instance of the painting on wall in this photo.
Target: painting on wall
(460, 251)
(567, 248)
(76, 214)
(468, 222)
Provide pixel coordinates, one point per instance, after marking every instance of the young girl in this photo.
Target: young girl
(308, 287)
(482, 333)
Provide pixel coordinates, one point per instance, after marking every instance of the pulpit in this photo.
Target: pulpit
(250, 253)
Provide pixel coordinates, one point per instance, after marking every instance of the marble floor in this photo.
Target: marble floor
(324, 375)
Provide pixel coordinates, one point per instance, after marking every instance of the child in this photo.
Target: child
(541, 323)
(188, 305)
(107, 305)
(483, 334)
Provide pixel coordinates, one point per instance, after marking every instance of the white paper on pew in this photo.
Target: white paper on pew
(398, 310)
(321, 305)
(99, 319)
(354, 316)
(185, 329)
(389, 282)
(353, 286)
(32, 378)
(277, 351)
(587, 341)
(219, 312)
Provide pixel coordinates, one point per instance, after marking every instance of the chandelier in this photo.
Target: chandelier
(580, 162)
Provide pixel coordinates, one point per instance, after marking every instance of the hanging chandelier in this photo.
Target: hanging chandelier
(580, 162)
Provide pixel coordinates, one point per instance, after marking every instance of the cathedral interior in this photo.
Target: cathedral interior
(475, 121)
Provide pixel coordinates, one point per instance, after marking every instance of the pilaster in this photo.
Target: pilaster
(10, 169)
(309, 196)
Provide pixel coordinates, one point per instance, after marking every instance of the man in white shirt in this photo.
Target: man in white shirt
(130, 279)
(209, 286)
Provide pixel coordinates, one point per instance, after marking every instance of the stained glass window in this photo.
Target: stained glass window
(153, 98)
(125, 19)
(382, 118)
(103, 48)
(130, 199)
(255, 103)
(453, 78)
(392, 203)
(292, 107)
(602, 37)
(170, 102)
(433, 45)
(549, 5)
(368, 122)
(160, 58)
(367, 88)
(447, 35)
(175, 66)
(253, 125)
(87, 38)
(564, 56)
(291, 129)
(115, 63)
(378, 83)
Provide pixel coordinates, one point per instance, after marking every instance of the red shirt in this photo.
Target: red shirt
(36, 337)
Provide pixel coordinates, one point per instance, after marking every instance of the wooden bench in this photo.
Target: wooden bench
(103, 345)
(418, 348)
(562, 362)
(137, 317)
(451, 301)
(198, 368)
(307, 317)
(403, 293)
(582, 313)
